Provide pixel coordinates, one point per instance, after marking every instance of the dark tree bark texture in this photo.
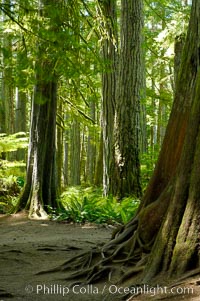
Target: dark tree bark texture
(40, 189)
(109, 78)
(129, 86)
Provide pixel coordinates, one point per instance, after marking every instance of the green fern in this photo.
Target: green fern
(88, 204)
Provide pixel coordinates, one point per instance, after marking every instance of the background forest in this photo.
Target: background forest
(76, 115)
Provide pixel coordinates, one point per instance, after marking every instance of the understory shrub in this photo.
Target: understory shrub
(88, 205)
(9, 190)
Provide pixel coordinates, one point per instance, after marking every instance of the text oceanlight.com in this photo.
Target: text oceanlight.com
(58, 289)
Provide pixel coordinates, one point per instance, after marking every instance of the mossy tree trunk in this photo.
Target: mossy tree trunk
(40, 190)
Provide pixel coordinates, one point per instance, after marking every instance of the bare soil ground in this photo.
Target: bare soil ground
(28, 247)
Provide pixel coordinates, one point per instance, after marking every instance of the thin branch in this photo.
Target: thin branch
(78, 110)
(9, 14)
(14, 20)
(156, 13)
(83, 97)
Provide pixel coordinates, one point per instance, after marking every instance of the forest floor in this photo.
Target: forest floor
(28, 247)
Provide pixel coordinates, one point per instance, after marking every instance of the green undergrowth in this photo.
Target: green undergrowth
(88, 205)
(10, 188)
(11, 143)
(11, 182)
(148, 161)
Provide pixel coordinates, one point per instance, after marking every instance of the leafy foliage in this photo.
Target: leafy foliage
(148, 162)
(89, 205)
(10, 143)
(11, 182)
(9, 190)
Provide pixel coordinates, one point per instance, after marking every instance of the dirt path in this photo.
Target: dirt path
(28, 247)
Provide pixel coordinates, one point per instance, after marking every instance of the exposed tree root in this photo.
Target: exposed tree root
(5, 294)
(37, 212)
(120, 236)
(80, 261)
(123, 256)
(132, 272)
(186, 275)
(117, 261)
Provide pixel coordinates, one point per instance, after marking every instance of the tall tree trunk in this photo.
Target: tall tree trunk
(7, 81)
(143, 129)
(91, 149)
(66, 156)
(109, 77)
(7, 87)
(129, 88)
(98, 180)
(20, 119)
(59, 144)
(75, 145)
(75, 150)
(40, 190)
